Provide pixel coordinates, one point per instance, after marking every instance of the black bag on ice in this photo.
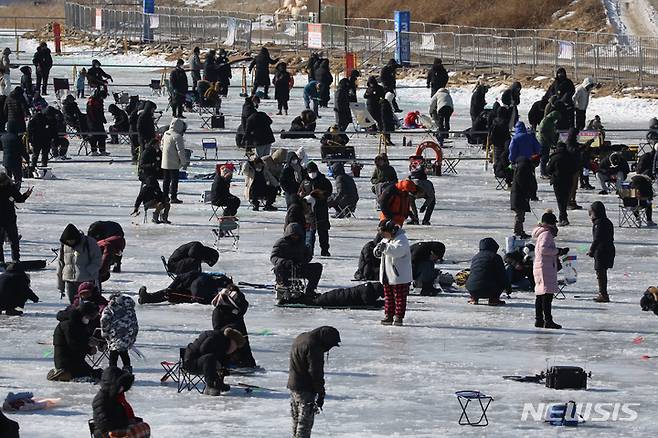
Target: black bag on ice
(565, 377)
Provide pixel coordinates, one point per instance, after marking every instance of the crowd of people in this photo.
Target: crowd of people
(390, 265)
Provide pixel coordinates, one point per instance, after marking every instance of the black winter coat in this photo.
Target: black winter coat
(96, 76)
(220, 190)
(178, 81)
(258, 130)
(262, 62)
(299, 130)
(224, 70)
(188, 257)
(387, 77)
(645, 164)
(321, 209)
(524, 185)
(388, 117)
(13, 151)
(561, 167)
(95, 115)
(478, 102)
(43, 59)
(146, 124)
(437, 77)
(37, 130)
(488, 278)
(71, 342)
(374, 95)
(288, 182)
(16, 109)
(200, 285)
(420, 251)
(295, 214)
(282, 86)
(150, 161)
(9, 195)
(209, 342)
(346, 190)
(15, 290)
(367, 294)
(608, 168)
(368, 268)
(101, 230)
(342, 104)
(307, 359)
(536, 113)
(109, 413)
(288, 251)
(603, 233)
(8, 428)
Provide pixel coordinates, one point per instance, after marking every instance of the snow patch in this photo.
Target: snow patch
(567, 15)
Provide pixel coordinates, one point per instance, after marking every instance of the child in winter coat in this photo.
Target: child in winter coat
(395, 271)
(79, 260)
(113, 415)
(545, 269)
(80, 83)
(119, 327)
(602, 249)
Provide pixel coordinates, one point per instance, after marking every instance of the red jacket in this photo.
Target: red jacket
(110, 246)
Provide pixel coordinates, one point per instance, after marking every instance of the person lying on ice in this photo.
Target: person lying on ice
(423, 257)
(488, 278)
(363, 295)
(188, 258)
(191, 287)
(15, 290)
(212, 349)
(230, 307)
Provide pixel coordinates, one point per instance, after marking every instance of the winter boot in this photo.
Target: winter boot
(143, 295)
(548, 309)
(325, 253)
(164, 215)
(429, 291)
(175, 200)
(574, 206)
(563, 223)
(256, 206)
(156, 217)
(398, 321)
(212, 391)
(14, 312)
(584, 183)
(539, 311)
(59, 375)
(388, 320)
(269, 207)
(602, 298)
(496, 302)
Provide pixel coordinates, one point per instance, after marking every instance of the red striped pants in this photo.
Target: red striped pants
(395, 299)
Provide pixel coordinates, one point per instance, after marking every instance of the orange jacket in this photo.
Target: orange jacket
(395, 201)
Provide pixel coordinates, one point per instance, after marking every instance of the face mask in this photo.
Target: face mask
(293, 161)
(259, 169)
(313, 175)
(85, 320)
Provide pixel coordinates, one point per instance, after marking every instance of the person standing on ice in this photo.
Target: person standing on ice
(395, 271)
(524, 189)
(195, 67)
(9, 195)
(306, 377)
(119, 327)
(179, 85)
(561, 167)
(602, 249)
(387, 76)
(544, 270)
(79, 261)
(437, 76)
(262, 62)
(174, 158)
(43, 61)
(441, 108)
(5, 72)
(581, 102)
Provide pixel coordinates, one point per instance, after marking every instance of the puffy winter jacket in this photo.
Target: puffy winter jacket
(201, 286)
(188, 257)
(478, 101)
(487, 278)
(80, 262)
(544, 268)
(173, 146)
(211, 342)
(342, 102)
(306, 372)
(145, 124)
(291, 251)
(367, 294)
(547, 134)
(110, 413)
(440, 99)
(291, 175)
(420, 251)
(220, 190)
(13, 150)
(15, 289)
(119, 323)
(258, 130)
(250, 174)
(71, 342)
(395, 261)
(603, 233)
(581, 96)
(346, 191)
(523, 144)
(395, 201)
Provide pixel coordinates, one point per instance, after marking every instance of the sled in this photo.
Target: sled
(306, 306)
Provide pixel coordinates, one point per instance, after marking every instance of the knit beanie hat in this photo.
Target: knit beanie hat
(548, 218)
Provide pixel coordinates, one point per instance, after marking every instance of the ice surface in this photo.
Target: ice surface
(382, 381)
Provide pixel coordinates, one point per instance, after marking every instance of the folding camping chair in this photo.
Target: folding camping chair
(362, 120)
(62, 87)
(156, 87)
(345, 213)
(632, 211)
(208, 144)
(102, 352)
(501, 184)
(84, 140)
(184, 379)
(228, 227)
(464, 398)
(121, 99)
(206, 113)
(569, 275)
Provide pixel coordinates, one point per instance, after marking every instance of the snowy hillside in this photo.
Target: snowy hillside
(632, 17)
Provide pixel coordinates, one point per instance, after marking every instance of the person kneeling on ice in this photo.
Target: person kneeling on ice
(119, 327)
(71, 340)
(111, 250)
(395, 271)
(649, 300)
(291, 258)
(79, 261)
(113, 415)
(488, 278)
(189, 256)
(423, 257)
(545, 269)
(15, 290)
(88, 292)
(518, 265)
(152, 196)
(191, 287)
(210, 349)
(230, 307)
(306, 376)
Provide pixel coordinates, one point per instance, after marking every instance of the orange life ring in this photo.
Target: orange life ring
(438, 152)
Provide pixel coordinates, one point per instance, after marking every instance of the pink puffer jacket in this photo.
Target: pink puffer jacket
(544, 268)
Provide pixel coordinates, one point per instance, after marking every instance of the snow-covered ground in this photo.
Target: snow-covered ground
(632, 17)
(382, 381)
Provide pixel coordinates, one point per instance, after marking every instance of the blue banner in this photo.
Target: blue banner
(149, 6)
(403, 45)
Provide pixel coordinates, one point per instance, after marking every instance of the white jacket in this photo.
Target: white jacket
(173, 146)
(395, 263)
(440, 99)
(581, 96)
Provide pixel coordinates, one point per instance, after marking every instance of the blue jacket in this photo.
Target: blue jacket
(523, 144)
(311, 91)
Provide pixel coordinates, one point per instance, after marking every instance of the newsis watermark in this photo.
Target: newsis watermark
(589, 412)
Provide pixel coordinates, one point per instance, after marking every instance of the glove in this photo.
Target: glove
(320, 400)
(135, 213)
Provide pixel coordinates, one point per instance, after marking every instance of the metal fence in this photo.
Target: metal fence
(605, 57)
